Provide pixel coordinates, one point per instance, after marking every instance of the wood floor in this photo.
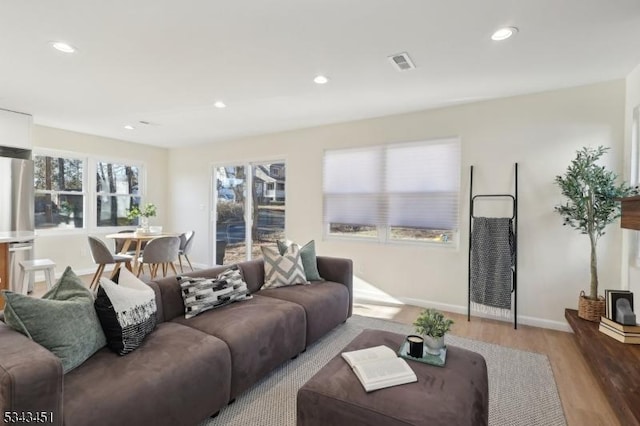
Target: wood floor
(583, 401)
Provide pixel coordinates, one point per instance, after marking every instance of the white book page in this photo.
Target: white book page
(370, 354)
(384, 370)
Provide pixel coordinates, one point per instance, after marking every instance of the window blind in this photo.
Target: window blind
(403, 185)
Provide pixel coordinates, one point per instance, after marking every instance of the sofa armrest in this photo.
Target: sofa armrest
(338, 270)
(30, 376)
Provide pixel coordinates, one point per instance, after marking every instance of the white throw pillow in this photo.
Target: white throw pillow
(127, 311)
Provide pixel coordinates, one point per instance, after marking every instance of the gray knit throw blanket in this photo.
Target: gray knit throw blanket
(492, 258)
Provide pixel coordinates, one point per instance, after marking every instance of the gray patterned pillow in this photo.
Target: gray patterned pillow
(283, 270)
(203, 294)
(308, 256)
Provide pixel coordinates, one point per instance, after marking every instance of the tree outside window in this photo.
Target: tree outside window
(118, 191)
(59, 192)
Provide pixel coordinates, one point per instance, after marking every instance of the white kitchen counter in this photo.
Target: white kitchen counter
(15, 236)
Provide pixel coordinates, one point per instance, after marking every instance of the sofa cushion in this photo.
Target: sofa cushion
(283, 269)
(63, 320)
(308, 257)
(326, 305)
(261, 333)
(178, 376)
(202, 294)
(127, 311)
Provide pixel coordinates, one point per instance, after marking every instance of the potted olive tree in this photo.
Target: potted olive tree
(433, 325)
(591, 205)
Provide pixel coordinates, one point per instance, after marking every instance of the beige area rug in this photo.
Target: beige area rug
(522, 389)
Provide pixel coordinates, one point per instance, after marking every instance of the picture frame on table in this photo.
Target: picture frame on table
(611, 298)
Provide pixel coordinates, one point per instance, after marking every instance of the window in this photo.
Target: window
(117, 191)
(59, 192)
(395, 192)
(250, 209)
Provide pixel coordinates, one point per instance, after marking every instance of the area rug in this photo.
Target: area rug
(522, 389)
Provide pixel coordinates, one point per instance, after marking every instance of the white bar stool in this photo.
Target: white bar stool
(46, 265)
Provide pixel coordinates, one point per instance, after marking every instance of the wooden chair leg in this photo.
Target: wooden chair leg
(173, 267)
(140, 269)
(115, 270)
(128, 266)
(96, 276)
(187, 257)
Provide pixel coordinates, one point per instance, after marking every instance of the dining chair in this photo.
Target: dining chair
(103, 256)
(186, 241)
(161, 251)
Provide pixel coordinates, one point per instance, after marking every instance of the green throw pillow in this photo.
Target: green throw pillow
(308, 255)
(63, 320)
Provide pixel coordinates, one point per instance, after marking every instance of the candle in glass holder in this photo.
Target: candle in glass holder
(416, 346)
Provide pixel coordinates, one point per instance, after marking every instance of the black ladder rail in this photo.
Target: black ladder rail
(514, 216)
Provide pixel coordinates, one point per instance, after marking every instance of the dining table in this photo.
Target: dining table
(137, 238)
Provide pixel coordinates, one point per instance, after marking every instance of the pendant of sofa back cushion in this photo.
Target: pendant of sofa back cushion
(283, 270)
(63, 320)
(308, 256)
(127, 311)
(202, 294)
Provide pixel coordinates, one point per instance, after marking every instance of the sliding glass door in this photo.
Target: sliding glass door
(250, 209)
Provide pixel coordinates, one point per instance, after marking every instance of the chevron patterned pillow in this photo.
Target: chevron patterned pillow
(283, 270)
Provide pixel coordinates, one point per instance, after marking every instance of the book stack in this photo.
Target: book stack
(622, 333)
(609, 326)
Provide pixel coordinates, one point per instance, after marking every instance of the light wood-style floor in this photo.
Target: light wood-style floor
(583, 401)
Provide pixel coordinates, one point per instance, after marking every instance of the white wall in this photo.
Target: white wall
(71, 247)
(630, 267)
(541, 132)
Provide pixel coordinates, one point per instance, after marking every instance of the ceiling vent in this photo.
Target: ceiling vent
(402, 61)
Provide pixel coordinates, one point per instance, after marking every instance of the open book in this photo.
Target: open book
(379, 367)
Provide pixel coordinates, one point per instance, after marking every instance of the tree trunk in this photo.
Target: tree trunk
(593, 294)
(593, 238)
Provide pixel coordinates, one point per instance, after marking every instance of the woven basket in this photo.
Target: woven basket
(590, 309)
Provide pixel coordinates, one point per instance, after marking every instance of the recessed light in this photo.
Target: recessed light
(504, 33)
(63, 47)
(219, 104)
(129, 127)
(320, 79)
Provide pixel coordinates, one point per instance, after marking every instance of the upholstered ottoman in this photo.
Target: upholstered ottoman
(456, 394)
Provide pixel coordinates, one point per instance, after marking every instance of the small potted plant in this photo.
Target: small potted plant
(433, 325)
(591, 191)
(147, 211)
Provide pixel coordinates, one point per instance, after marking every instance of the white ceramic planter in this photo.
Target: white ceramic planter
(434, 344)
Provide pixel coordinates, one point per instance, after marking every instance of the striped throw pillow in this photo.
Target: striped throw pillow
(203, 294)
(283, 270)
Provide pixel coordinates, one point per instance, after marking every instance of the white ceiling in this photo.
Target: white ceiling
(168, 61)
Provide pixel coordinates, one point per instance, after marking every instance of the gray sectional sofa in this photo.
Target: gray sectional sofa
(187, 369)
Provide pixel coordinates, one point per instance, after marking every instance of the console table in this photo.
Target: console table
(616, 366)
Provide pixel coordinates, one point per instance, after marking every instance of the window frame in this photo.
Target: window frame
(54, 153)
(94, 186)
(384, 229)
(90, 192)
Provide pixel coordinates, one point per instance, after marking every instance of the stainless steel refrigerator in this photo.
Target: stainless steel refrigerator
(16, 209)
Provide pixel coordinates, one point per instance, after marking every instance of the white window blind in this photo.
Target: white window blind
(405, 191)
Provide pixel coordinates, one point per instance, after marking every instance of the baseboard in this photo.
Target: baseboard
(524, 320)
